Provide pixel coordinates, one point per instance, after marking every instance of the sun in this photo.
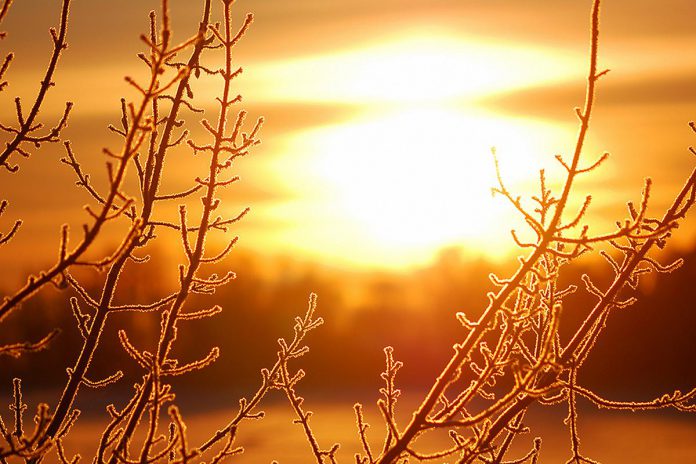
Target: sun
(411, 171)
(394, 187)
(410, 178)
(423, 177)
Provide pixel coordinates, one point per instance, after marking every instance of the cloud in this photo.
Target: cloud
(315, 25)
(283, 118)
(642, 93)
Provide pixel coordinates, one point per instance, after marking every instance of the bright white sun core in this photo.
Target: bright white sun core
(412, 170)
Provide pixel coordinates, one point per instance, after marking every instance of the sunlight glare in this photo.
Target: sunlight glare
(411, 171)
(419, 68)
(406, 183)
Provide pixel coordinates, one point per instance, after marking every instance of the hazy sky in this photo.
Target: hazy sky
(380, 114)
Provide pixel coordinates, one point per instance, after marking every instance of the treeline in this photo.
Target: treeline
(646, 349)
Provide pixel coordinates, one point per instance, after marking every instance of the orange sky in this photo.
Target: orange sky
(380, 115)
